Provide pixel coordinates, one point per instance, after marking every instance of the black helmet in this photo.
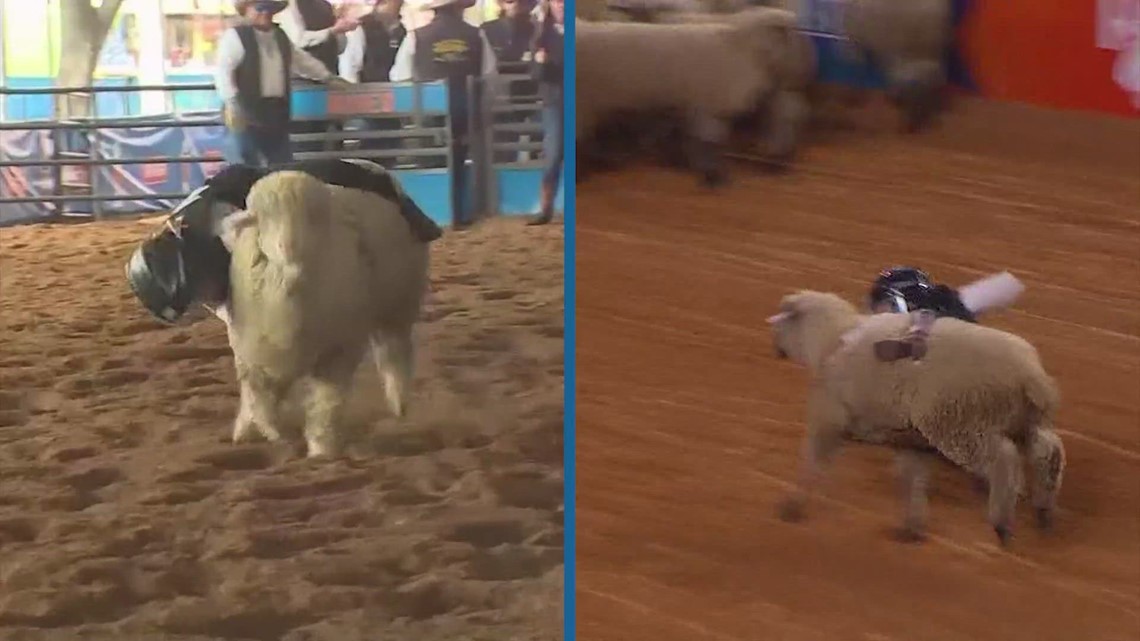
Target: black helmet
(903, 288)
(167, 271)
(157, 275)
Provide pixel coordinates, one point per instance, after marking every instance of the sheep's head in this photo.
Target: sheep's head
(787, 329)
(807, 325)
(769, 34)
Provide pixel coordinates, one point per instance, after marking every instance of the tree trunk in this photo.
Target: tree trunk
(83, 29)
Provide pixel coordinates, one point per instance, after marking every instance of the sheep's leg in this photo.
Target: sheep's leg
(327, 395)
(914, 476)
(258, 401)
(1047, 464)
(394, 353)
(709, 135)
(1004, 479)
(820, 447)
(826, 421)
(260, 407)
(244, 430)
(786, 113)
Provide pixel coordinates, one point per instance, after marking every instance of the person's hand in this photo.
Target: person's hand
(233, 116)
(540, 56)
(344, 25)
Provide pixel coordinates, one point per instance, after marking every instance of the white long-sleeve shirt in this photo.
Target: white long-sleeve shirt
(273, 81)
(403, 69)
(294, 25)
(352, 58)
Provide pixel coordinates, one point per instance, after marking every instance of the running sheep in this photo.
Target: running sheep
(319, 274)
(778, 121)
(709, 72)
(980, 396)
(907, 40)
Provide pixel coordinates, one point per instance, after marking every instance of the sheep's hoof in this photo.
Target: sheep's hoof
(792, 511)
(269, 433)
(714, 178)
(1044, 519)
(321, 448)
(908, 534)
(244, 432)
(1004, 535)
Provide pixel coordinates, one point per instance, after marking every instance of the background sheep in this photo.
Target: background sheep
(320, 273)
(710, 72)
(779, 119)
(980, 396)
(908, 40)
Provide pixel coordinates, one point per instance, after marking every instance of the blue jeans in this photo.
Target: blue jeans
(258, 147)
(552, 138)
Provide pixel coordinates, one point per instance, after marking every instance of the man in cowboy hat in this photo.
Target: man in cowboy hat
(255, 63)
(368, 57)
(448, 48)
(314, 27)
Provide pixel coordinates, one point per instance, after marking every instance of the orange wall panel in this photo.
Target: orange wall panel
(1046, 52)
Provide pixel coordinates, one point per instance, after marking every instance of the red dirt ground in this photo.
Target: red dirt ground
(689, 429)
(126, 515)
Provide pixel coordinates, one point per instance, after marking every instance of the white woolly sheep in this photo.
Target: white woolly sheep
(711, 72)
(907, 39)
(980, 396)
(319, 274)
(781, 118)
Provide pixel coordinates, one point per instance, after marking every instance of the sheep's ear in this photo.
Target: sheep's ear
(789, 309)
(779, 318)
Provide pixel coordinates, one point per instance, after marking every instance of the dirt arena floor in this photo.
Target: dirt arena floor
(689, 428)
(126, 514)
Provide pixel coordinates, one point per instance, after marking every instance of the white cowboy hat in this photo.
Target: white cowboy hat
(439, 4)
(274, 6)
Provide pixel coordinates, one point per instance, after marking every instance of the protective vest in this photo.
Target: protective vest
(317, 15)
(270, 113)
(449, 49)
(380, 47)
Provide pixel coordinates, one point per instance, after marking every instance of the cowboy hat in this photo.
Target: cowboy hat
(439, 4)
(273, 6)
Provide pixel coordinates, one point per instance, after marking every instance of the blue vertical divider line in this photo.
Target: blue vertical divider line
(569, 526)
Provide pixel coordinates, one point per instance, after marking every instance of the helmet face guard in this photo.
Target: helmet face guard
(169, 270)
(899, 289)
(157, 275)
(889, 300)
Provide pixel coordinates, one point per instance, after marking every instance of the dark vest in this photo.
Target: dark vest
(317, 15)
(509, 38)
(270, 113)
(449, 49)
(380, 47)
